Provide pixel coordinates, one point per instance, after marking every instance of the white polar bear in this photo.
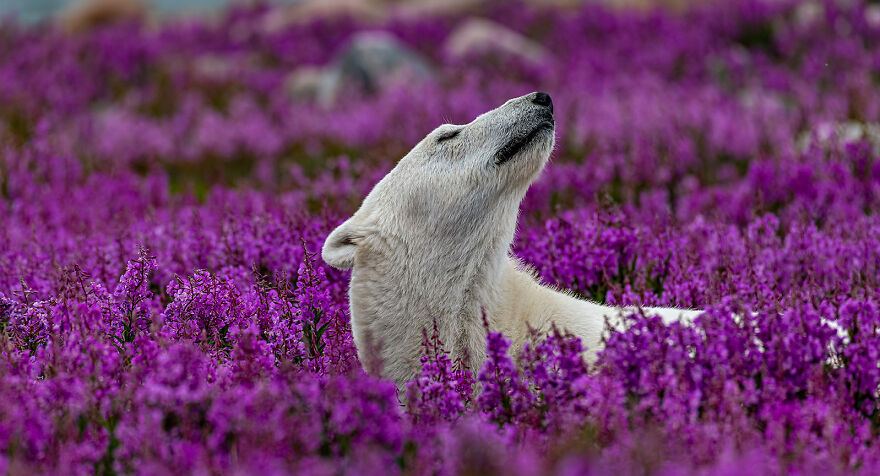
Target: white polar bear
(432, 240)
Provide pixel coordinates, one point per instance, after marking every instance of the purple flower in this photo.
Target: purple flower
(164, 189)
(504, 396)
(444, 389)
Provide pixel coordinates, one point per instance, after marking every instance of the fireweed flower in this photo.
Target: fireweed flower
(504, 396)
(163, 192)
(443, 389)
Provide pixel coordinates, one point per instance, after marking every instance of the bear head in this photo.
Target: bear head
(460, 182)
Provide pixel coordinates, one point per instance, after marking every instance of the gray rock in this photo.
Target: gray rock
(477, 36)
(872, 14)
(86, 15)
(372, 62)
(304, 83)
(284, 16)
(437, 8)
(829, 135)
(808, 13)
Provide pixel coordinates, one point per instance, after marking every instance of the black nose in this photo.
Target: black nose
(543, 99)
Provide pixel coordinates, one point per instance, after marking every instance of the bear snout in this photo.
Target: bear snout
(543, 99)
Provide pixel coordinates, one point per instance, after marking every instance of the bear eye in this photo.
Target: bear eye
(448, 135)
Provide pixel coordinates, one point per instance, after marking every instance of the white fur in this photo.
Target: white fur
(431, 242)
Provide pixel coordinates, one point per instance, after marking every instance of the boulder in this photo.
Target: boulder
(808, 13)
(829, 134)
(477, 36)
(85, 15)
(673, 5)
(437, 8)
(372, 62)
(872, 14)
(304, 83)
(283, 16)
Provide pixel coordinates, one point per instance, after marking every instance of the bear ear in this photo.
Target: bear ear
(341, 244)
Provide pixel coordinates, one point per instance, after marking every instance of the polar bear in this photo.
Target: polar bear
(431, 241)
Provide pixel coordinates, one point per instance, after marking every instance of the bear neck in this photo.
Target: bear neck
(453, 280)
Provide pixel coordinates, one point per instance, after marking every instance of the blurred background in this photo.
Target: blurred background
(32, 11)
(673, 111)
(661, 104)
(170, 169)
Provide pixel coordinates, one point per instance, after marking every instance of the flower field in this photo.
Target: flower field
(164, 196)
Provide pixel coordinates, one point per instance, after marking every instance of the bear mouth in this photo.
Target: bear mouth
(518, 144)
